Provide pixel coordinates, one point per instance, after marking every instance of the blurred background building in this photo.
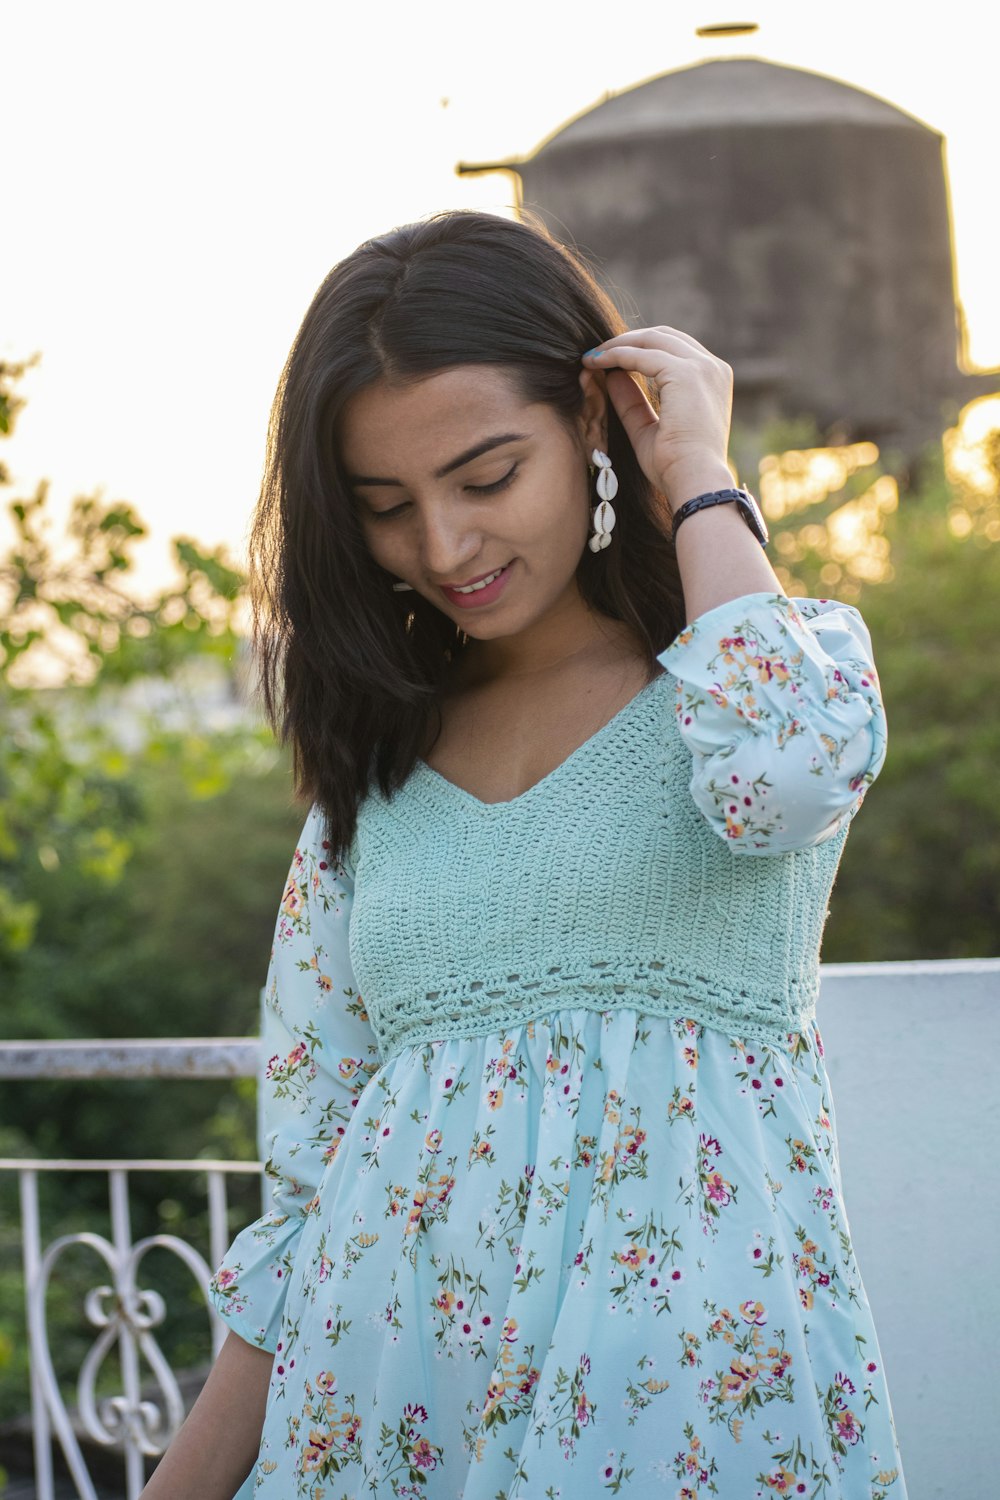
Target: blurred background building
(796, 226)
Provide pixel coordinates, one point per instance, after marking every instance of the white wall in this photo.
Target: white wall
(913, 1054)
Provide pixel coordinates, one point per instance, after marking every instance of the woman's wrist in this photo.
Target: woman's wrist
(695, 476)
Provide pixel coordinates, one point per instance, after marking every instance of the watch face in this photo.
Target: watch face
(754, 516)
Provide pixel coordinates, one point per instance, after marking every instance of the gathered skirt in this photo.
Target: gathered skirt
(596, 1253)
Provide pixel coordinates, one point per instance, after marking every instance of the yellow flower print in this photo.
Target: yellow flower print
(737, 1379)
(753, 1312)
(494, 1098)
(632, 1257)
(291, 902)
(494, 1395)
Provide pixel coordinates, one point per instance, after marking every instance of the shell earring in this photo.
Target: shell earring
(399, 587)
(603, 516)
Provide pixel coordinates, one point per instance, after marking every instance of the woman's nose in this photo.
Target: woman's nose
(448, 544)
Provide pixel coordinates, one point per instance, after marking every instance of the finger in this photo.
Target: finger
(631, 403)
(658, 363)
(664, 337)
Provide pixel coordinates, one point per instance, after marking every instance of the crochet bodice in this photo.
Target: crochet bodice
(602, 885)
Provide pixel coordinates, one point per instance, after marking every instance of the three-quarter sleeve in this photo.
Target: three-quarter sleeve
(318, 1053)
(779, 701)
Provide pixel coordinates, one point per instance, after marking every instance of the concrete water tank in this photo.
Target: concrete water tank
(798, 227)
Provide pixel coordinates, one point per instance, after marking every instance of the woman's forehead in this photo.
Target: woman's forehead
(432, 415)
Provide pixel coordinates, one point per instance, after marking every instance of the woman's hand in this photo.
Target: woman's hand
(683, 450)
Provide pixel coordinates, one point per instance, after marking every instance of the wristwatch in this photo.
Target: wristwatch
(749, 509)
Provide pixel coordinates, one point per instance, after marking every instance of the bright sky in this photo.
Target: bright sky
(179, 179)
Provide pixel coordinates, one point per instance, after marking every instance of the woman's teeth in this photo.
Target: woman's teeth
(474, 587)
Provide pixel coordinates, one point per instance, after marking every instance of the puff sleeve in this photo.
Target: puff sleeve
(779, 701)
(318, 1053)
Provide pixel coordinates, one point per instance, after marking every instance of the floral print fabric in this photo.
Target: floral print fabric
(780, 703)
(596, 1252)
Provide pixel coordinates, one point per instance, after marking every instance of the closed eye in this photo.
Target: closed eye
(473, 489)
(385, 515)
(496, 486)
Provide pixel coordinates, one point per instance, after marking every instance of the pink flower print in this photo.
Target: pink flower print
(583, 1407)
(847, 1428)
(717, 1188)
(709, 1145)
(225, 1278)
(423, 1455)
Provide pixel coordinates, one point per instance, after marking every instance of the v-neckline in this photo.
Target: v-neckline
(453, 788)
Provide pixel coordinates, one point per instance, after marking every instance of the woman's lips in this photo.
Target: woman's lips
(481, 596)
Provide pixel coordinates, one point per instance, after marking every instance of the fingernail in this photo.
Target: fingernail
(593, 354)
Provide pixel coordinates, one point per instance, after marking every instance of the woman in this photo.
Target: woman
(557, 1202)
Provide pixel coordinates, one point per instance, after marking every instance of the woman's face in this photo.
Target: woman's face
(458, 477)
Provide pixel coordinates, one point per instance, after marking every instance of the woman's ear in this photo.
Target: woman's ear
(594, 415)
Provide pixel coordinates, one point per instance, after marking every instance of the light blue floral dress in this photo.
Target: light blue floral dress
(595, 1252)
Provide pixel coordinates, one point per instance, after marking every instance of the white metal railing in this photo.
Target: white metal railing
(120, 1310)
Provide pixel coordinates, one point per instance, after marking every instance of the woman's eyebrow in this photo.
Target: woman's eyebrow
(476, 451)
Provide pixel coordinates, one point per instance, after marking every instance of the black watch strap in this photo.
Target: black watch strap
(748, 509)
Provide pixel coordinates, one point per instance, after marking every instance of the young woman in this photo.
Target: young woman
(557, 1202)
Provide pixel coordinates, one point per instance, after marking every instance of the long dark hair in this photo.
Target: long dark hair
(350, 670)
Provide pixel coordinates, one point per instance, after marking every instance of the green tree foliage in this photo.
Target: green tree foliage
(921, 872)
(142, 857)
(920, 876)
(71, 634)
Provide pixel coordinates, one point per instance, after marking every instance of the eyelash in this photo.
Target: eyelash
(475, 489)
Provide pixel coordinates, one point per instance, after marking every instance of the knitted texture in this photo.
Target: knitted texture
(603, 885)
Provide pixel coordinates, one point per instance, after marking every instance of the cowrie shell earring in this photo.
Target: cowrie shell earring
(603, 517)
(399, 587)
